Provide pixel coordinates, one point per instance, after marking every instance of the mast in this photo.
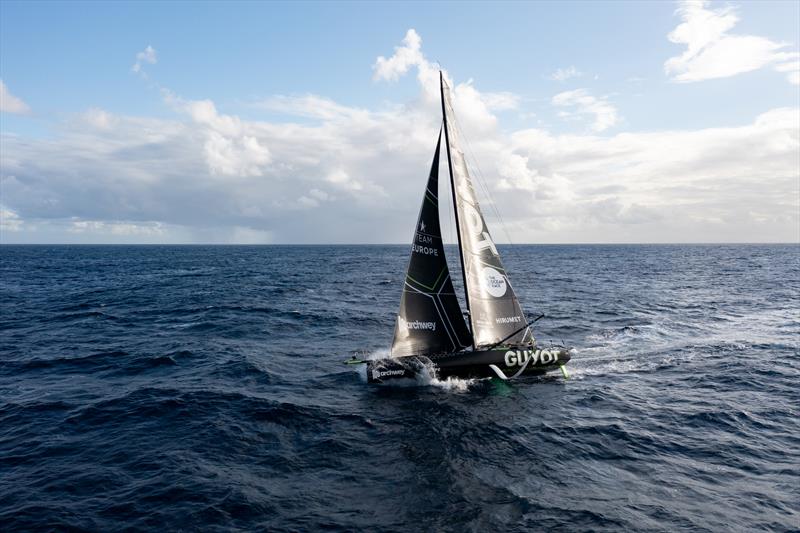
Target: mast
(455, 204)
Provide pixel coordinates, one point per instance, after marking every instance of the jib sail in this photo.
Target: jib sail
(430, 320)
(495, 312)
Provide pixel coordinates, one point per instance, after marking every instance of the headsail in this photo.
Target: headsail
(430, 319)
(494, 309)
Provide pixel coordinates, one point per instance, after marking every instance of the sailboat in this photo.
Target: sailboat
(431, 335)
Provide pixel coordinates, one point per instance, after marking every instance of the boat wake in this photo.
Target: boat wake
(654, 347)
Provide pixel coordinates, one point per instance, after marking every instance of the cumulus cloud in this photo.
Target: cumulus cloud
(148, 55)
(517, 173)
(405, 56)
(602, 113)
(563, 74)
(474, 108)
(665, 185)
(712, 52)
(328, 172)
(10, 103)
(231, 146)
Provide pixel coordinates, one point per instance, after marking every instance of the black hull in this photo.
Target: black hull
(505, 363)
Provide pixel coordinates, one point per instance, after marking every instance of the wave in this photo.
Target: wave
(426, 378)
(219, 401)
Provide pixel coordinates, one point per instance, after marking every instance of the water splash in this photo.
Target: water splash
(427, 377)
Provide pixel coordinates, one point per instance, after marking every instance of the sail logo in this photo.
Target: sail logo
(493, 282)
(480, 238)
(425, 250)
(415, 324)
(508, 319)
(522, 357)
(378, 374)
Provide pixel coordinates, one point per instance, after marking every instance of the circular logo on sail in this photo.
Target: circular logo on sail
(493, 282)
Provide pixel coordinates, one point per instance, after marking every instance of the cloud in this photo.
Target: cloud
(116, 227)
(405, 56)
(792, 70)
(311, 106)
(10, 103)
(148, 55)
(563, 74)
(9, 220)
(603, 113)
(474, 109)
(328, 172)
(501, 101)
(712, 52)
(664, 186)
(231, 147)
(98, 118)
(313, 199)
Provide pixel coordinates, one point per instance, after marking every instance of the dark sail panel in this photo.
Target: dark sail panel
(430, 319)
(495, 311)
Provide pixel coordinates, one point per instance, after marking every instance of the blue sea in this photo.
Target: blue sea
(202, 388)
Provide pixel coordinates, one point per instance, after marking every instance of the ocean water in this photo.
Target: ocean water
(202, 388)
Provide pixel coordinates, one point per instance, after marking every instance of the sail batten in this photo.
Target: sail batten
(494, 309)
(429, 320)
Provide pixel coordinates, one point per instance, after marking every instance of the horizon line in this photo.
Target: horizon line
(750, 243)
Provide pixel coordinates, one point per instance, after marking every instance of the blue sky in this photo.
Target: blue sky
(303, 128)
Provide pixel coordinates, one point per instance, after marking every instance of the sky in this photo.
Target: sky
(315, 123)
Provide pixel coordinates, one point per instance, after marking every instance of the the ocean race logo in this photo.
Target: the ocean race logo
(415, 324)
(521, 357)
(493, 282)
